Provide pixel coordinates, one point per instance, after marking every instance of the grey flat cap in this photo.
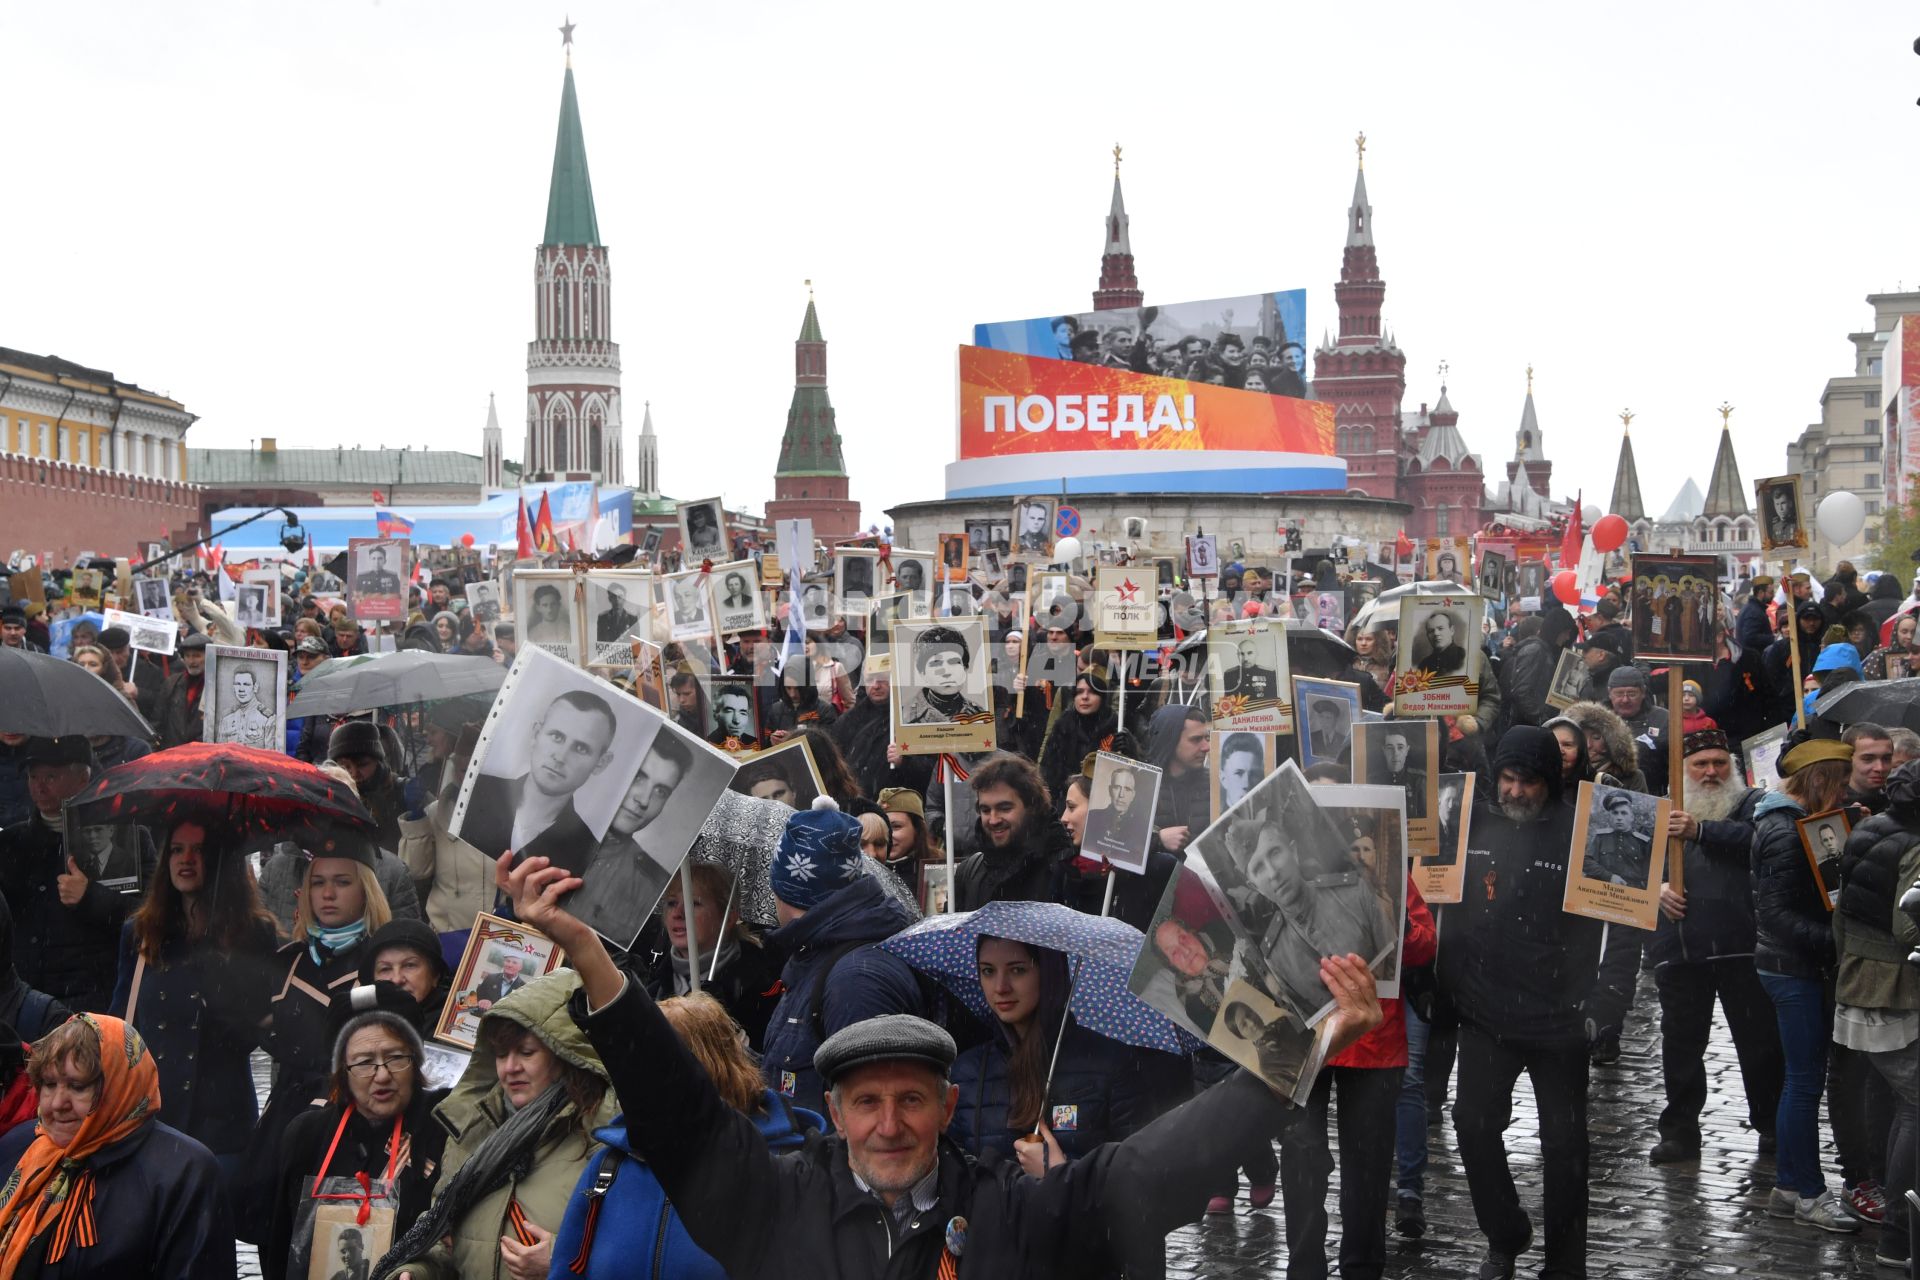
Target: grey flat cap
(892, 1037)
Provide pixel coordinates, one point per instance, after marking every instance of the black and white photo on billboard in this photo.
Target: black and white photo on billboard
(1033, 527)
(544, 613)
(785, 773)
(1620, 835)
(688, 613)
(1328, 710)
(250, 605)
(153, 597)
(245, 697)
(1394, 753)
(855, 579)
(1437, 637)
(574, 770)
(703, 532)
(1119, 823)
(737, 602)
(619, 611)
(483, 600)
(734, 725)
(913, 576)
(1240, 759)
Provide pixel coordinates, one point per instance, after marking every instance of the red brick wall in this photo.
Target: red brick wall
(58, 507)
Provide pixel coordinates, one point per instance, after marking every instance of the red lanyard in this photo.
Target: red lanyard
(365, 1197)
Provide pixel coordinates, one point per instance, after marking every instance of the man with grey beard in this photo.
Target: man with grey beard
(1703, 951)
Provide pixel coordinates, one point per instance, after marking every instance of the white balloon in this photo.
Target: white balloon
(1066, 550)
(1589, 514)
(1841, 516)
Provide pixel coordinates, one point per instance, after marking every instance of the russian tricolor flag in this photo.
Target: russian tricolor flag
(391, 523)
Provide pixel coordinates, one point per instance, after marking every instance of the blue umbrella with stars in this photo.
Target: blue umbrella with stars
(1100, 953)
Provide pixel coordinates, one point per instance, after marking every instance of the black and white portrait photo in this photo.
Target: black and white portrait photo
(913, 576)
(1439, 647)
(1778, 500)
(1398, 753)
(854, 579)
(940, 694)
(703, 532)
(688, 617)
(1238, 761)
(1569, 682)
(785, 773)
(1619, 845)
(153, 597)
(734, 725)
(816, 606)
(1247, 681)
(1302, 894)
(543, 609)
(1203, 556)
(147, 635)
(1327, 712)
(619, 611)
(250, 605)
(1033, 527)
(245, 698)
(108, 854)
(1374, 820)
(1493, 577)
(573, 770)
(737, 603)
(1269, 1041)
(1824, 836)
(483, 600)
(1119, 823)
(269, 581)
(1437, 670)
(1445, 559)
(377, 569)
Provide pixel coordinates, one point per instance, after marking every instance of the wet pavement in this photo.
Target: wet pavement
(1670, 1223)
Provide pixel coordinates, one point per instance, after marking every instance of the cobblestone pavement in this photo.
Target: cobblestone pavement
(1646, 1223)
(1670, 1223)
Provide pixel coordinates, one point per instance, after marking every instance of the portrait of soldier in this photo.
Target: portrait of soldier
(1616, 852)
(941, 660)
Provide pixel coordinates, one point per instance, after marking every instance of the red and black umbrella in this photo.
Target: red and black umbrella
(256, 798)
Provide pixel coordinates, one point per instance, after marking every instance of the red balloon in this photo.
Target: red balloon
(1566, 587)
(466, 539)
(1609, 533)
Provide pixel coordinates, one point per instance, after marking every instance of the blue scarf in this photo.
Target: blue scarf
(333, 941)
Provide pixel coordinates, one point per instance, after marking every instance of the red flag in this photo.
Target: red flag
(572, 545)
(378, 497)
(1576, 536)
(543, 538)
(524, 532)
(311, 562)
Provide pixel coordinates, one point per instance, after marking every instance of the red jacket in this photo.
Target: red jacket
(1386, 1045)
(19, 1104)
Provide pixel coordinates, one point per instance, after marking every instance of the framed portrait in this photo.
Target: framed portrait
(1569, 682)
(245, 698)
(1191, 946)
(146, 635)
(737, 603)
(154, 598)
(1445, 560)
(269, 582)
(1493, 577)
(483, 600)
(979, 536)
(992, 564)
(914, 573)
(1119, 823)
(816, 605)
(1674, 605)
(1298, 889)
(1619, 856)
(941, 701)
(953, 557)
(377, 570)
(1330, 610)
(1328, 711)
(936, 889)
(250, 605)
(1404, 754)
(689, 616)
(1272, 1042)
(650, 541)
(1437, 670)
(1531, 582)
(1360, 593)
(501, 957)
(1033, 528)
(703, 532)
(1781, 508)
(1247, 681)
(329, 1238)
(856, 579)
(1203, 556)
(649, 674)
(1126, 609)
(771, 577)
(886, 610)
(1441, 878)
(733, 717)
(619, 605)
(108, 854)
(626, 789)
(786, 773)
(1375, 820)
(1238, 761)
(1824, 836)
(544, 613)
(1760, 757)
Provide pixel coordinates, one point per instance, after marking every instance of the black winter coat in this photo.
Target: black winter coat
(199, 1011)
(1528, 677)
(362, 1149)
(1870, 869)
(1793, 929)
(1103, 1091)
(812, 1222)
(1739, 698)
(68, 952)
(1033, 871)
(1511, 961)
(1719, 919)
(177, 714)
(862, 735)
(748, 985)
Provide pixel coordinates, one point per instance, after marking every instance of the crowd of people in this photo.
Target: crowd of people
(790, 1096)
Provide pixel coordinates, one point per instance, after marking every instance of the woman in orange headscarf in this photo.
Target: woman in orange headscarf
(105, 1189)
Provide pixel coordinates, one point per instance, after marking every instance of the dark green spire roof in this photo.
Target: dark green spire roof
(570, 217)
(810, 327)
(811, 445)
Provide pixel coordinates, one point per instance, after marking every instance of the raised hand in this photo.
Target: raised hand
(1356, 1001)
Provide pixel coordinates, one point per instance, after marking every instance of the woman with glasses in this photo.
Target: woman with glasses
(195, 967)
(105, 1189)
(377, 1106)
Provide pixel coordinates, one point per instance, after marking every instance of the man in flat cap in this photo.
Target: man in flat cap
(815, 1211)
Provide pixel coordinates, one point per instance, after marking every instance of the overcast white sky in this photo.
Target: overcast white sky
(316, 221)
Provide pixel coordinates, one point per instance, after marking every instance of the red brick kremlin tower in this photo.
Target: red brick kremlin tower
(1118, 287)
(811, 481)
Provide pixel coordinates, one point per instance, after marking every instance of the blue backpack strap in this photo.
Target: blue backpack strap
(34, 1007)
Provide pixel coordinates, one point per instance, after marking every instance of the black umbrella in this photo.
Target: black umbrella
(366, 681)
(1890, 703)
(50, 698)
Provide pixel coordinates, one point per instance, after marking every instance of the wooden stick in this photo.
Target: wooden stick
(1676, 777)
